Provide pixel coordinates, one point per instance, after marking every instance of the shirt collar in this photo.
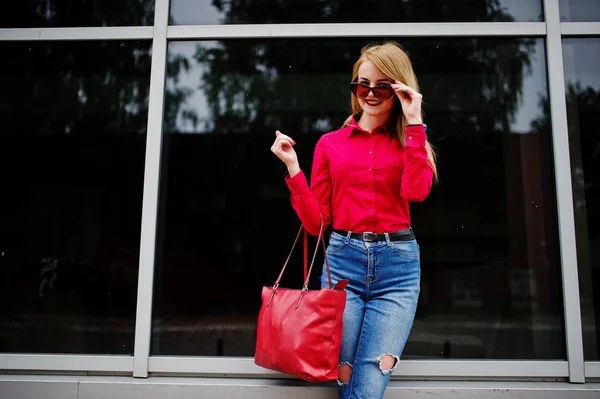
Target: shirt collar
(353, 124)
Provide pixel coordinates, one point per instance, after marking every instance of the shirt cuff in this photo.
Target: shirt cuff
(415, 136)
(297, 184)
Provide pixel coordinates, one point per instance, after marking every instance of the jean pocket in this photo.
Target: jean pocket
(336, 243)
(406, 249)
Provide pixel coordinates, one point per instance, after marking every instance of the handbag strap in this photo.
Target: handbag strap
(305, 254)
(306, 273)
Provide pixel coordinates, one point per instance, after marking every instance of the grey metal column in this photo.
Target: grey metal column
(564, 193)
(143, 324)
(581, 29)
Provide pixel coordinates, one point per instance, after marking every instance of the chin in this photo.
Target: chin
(378, 112)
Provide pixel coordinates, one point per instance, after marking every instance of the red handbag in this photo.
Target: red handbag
(300, 331)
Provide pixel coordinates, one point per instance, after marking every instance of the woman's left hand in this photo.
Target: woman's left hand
(410, 100)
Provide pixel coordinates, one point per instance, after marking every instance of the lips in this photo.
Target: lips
(373, 103)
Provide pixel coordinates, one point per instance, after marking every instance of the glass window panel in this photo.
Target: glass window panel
(490, 268)
(72, 149)
(581, 60)
(76, 13)
(579, 10)
(206, 12)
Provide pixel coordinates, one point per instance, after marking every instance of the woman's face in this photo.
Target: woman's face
(369, 74)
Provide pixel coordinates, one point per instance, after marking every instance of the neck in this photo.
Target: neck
(369, 123)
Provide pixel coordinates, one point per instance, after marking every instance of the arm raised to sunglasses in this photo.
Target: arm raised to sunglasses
(417, 177)
(411, 101)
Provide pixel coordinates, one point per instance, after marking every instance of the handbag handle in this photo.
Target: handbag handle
(306, 274)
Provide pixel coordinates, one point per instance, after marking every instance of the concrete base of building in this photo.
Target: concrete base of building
(108, 387)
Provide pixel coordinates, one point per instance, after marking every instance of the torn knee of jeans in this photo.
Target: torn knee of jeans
(384, 363)
(344, 371)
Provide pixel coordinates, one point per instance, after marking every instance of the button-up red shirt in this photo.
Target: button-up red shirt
(363, 181)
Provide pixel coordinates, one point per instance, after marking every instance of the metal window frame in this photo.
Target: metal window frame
(517, 369)
(101, 33)
(592, 369)
(564, 191)
(449, 29)
(71, 363)
(586, 30)
(580, 28)
(143, 326)
(141, 363)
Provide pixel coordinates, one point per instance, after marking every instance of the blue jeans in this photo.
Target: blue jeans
(380, 307)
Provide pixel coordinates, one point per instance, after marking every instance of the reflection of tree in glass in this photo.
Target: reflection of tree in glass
(301, 84)
(75, 88)
(332, 11)
(60, 13)
(584, 105)
(176, 95)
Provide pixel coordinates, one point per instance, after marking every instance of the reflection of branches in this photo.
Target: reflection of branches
(587, 102)
(332, 11)
(76, 88)
(254, 85)
(41, 13)
(583, 106)
(504, 68)
(176, 95)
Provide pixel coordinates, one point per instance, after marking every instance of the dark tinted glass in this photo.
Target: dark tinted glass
(579, 10)
(72, 149)
(64, 13)
(581, 60)
(491, 281)
(206, 12)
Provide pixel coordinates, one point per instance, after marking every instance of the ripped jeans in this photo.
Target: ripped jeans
(380, 308)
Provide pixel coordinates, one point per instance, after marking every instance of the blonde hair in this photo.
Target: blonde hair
(393, 62)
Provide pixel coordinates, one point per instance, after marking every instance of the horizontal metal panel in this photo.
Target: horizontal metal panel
(219, 388)
(406, 368)
(357, 30)
(37, 386)
(592, 369)
(580, 28)
(108, 33)
(81, 363)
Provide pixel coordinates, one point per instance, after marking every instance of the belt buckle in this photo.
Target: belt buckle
(368, 236)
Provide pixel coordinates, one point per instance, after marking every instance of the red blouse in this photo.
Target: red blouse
(362, 182)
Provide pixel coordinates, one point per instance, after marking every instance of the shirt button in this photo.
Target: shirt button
(369, 169)
(370, 152)
(410, 137)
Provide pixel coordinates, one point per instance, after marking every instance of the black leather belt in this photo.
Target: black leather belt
(402, 235)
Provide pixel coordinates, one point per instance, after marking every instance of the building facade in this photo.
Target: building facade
(142, 211)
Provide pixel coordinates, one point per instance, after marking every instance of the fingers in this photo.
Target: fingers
(281, 136)
(282, 141)
(407, 91)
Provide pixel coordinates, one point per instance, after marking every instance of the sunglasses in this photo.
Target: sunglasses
(381, 92)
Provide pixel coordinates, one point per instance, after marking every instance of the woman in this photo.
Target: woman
(363, 177)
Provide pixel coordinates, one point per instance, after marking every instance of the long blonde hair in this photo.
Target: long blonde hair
(393, 62)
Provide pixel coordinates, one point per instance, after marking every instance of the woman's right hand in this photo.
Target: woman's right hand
(283, 149)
